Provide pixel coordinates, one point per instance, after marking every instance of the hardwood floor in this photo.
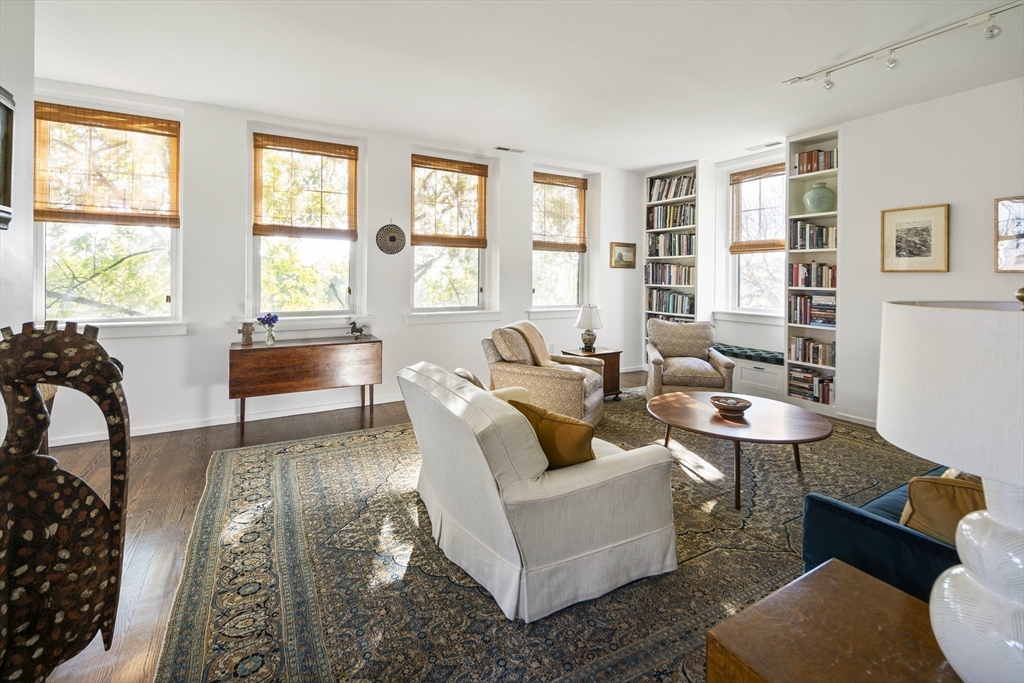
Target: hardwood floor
(167, 475)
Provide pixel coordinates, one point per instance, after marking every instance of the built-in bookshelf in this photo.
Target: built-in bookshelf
(812, 280)
(670, 249)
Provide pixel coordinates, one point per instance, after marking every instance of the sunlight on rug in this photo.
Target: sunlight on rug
(313, 560)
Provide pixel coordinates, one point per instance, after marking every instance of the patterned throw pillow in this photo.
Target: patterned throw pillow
(512, 347)
(565, 440)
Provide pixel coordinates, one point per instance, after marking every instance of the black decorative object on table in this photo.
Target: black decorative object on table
(357, 331)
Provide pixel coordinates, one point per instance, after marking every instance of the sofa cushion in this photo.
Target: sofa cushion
(681, 339)
(512, 346)
(564, 440)
(935, 505)
(683, 371)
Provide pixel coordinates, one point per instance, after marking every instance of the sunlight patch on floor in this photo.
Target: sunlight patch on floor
(696, 467)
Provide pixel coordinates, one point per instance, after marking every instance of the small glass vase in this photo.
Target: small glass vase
(269, 340)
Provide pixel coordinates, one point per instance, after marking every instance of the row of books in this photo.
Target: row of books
(668, 318)
(809, 236)
(815, 160)
(669, 216)
(660, 189)
(671, 244)
(668, 274)
(816, 309)
(812, 386)
(810, 350)
(669, 301)
(812, 275)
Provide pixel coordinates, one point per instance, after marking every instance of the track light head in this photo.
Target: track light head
(992, 31)
(892, 62)
(828, 81)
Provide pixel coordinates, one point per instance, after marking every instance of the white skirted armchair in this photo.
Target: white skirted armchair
(681, 358)
(517, 356)
(537, 540)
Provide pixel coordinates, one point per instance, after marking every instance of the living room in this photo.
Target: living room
(942, 128)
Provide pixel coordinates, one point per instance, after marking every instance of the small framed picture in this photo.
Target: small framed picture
(1010, 235)
(916, 239)
(623, 255)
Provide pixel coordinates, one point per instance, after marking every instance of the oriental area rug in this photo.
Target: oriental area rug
(312, 560)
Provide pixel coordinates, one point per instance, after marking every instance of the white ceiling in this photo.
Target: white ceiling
(625, 84)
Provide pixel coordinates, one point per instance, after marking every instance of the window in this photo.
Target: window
(449, 232)
(758, 236)
(106, 200)
(559, 238)
(304, 224)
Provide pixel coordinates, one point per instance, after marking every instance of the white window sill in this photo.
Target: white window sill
(561, 313)
(451, 317)
(125, 330)
(774, 319)
(315, 322)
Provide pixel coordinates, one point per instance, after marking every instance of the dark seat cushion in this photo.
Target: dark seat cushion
(889, 505)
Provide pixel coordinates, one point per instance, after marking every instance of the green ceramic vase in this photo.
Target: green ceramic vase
(819, 199)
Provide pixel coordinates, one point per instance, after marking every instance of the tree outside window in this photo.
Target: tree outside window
(758, 236)
(559, 238)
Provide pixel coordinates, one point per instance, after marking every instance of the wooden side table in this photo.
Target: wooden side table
(835, 623)
(611, 366)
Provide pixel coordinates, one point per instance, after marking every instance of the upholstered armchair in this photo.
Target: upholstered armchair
(681, 358)
(517, 356)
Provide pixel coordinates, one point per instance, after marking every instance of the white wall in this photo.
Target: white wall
(964, 150)
(176, 382)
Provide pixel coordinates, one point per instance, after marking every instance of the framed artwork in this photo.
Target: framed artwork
(916, 239)
(1010, 235)
(623, 255)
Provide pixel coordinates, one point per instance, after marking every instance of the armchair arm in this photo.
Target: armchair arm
(580, 509)
(898, 555)
(554, 388)
(595, 364)
(723, 365)
(655, 363)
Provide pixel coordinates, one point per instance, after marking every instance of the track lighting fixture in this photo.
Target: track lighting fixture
(892, 62)
(992, 31)
(828, 81)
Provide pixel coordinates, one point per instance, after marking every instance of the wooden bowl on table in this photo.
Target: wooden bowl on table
(730, 407)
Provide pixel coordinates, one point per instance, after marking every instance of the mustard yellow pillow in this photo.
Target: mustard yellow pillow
(935, 505)
(564, 440)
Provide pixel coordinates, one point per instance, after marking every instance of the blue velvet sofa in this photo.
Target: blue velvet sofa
(871, 539)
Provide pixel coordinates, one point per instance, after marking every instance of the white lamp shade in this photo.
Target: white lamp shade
(589, 318)
(951, 384)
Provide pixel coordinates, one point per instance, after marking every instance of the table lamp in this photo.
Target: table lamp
(588, 321)
(951, 390)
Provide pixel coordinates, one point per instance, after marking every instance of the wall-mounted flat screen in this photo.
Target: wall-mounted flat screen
(6, 150)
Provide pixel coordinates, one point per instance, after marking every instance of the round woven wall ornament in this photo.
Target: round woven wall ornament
(391, 239)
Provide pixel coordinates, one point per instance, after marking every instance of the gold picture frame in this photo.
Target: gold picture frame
(916, 239)
(622, 255)
(1009, 222)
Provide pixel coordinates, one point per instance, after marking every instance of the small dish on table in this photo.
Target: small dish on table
(730, 407)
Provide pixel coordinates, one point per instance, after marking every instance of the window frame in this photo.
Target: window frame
(737, 248)
(452, 162)
(313, 138)
(170, 324)
(579, 247)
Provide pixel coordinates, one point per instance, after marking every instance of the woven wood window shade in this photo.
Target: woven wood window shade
(322, 223)
(738, 245)
(95, 166)
(423, 231)
(575, 242)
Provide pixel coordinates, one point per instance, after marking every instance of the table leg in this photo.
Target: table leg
(796, 452)
(362, 396)
(371, 405)
(668, 433)
(241, 416)
(736, 472)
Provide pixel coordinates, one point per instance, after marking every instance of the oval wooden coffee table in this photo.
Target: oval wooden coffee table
(765, 421)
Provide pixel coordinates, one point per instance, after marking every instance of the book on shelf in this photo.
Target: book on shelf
(669, 301)
(803, 235)
(669, 216)
(668, 274)
(812, 275)
(810, 350)
(815, 160)
(811, 385)
(671, 244)
(660, 189)
(815, 309)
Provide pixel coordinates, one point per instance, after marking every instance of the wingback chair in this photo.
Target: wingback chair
(564, 384)
(538, 540)
(681, 358)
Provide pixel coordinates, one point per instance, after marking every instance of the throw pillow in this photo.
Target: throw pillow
(935, 505)
(512, 347)
(564, 440)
